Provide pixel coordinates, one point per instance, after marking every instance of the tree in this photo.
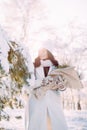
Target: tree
(14, 73)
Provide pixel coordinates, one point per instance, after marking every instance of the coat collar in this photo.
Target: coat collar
(40, 71)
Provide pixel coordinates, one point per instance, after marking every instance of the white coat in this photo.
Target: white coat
(37, 110)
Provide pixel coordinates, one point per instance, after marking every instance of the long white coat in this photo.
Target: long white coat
(37, 110)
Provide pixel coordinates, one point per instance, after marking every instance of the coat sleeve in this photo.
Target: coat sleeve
(37, 83)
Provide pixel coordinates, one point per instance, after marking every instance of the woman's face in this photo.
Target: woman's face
(43, 54)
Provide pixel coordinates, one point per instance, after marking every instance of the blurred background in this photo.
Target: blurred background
(25, 27)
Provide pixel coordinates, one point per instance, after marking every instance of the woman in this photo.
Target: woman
(44, 112)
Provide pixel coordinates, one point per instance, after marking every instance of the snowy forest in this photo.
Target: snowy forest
(27, 25)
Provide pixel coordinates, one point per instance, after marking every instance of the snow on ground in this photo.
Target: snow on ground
(13, 123)
(76, 120)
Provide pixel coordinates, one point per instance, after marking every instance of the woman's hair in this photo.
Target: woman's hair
(50, 57)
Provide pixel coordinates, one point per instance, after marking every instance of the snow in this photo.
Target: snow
(41, 28)
(76, 120)
(4, 48)
(13, 124)
(37, 25)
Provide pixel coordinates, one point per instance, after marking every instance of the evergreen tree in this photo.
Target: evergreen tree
(11, 82)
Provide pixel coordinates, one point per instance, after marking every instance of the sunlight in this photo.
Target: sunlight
(34, 50)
